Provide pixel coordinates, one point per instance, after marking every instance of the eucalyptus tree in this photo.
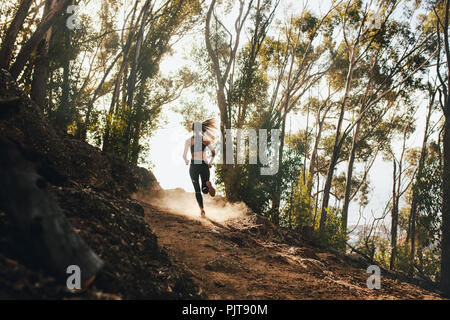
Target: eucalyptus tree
(399, 61)
(11, 33)
(412, 221)
(404, 127)
(76, 58)
(321, 108)
(28, 48)
(41, 63)
(300, 56)
(151, 33)
(236, 69)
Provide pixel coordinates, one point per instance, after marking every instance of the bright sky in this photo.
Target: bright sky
(169, 167)
(171, 171)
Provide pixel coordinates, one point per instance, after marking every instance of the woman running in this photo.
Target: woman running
(202, 138)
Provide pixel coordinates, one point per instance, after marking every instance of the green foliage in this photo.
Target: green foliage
(298, 210)
(374, 245)
(428, 190)
(427, 261)
(402, 258)
(335, 236)
(383, 252)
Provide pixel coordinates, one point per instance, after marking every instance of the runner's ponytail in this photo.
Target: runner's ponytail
(208, 128)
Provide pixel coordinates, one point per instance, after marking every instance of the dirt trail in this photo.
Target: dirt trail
(247, 257)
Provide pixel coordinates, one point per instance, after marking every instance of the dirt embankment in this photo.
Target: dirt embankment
(93, 190)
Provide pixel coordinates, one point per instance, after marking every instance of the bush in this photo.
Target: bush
(335, 236)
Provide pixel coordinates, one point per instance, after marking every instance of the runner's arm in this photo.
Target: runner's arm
(186, 149)
(213, 153)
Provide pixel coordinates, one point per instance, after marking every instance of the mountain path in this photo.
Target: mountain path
(239, 259)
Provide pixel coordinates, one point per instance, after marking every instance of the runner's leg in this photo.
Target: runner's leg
(206, 184)
(194, 173)
(204, 175)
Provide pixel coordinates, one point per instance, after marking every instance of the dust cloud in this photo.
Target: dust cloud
(180, 202)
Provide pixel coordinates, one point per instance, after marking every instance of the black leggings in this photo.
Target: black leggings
(202, 170)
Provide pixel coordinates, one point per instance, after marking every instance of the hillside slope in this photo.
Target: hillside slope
(245, 256)
(93, 190)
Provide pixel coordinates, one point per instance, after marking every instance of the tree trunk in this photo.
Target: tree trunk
(227, 168)
(445, 104)
(27, 49)
(312, 163)
(112, 109)
(222, 76)
(336, 149)
(40, 74)
(394, 218)
(348, 182)
(11, 34)
(131, 86)
(125, 54)
(445, 242)
(276, 198)
(64, 116)
(327, 187)
(134, 152)
(413, 211)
